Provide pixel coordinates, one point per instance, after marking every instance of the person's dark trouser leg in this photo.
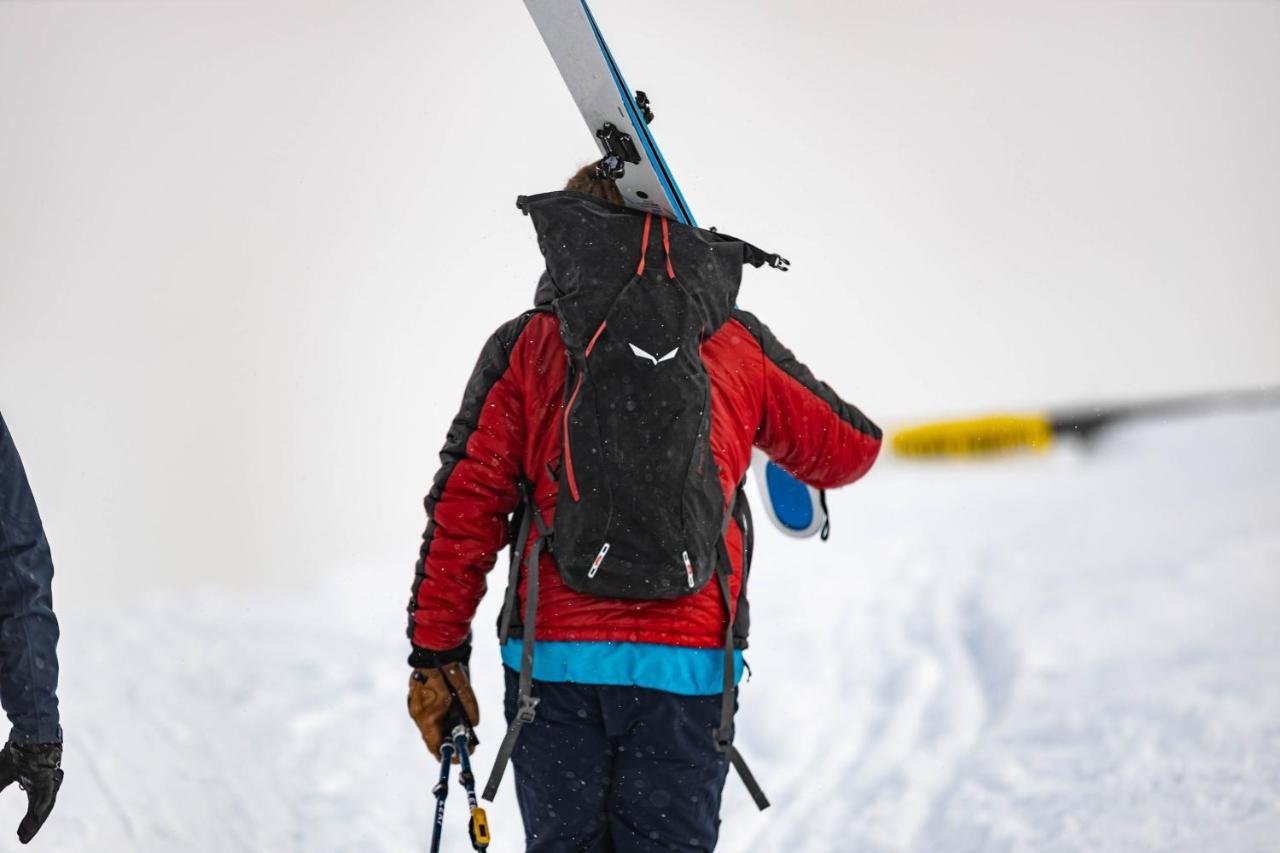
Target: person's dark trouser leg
(562, 764)
(667, 774)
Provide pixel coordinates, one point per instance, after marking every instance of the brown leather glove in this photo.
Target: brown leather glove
(433, 707)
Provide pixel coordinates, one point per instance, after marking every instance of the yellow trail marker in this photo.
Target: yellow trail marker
(983, 436)
(996, 434)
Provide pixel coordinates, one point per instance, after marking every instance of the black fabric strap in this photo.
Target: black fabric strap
(527, 511)
(526, 702)
(457, 713)
(724, 734)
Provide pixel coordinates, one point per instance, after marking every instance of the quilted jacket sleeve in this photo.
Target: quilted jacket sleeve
(805, 427)
(474, 491)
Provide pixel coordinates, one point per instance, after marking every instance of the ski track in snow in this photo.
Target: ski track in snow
(1075, 652)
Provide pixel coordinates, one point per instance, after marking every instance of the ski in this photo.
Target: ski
(618, 118)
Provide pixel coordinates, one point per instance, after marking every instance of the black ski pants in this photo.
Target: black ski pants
(606, 769)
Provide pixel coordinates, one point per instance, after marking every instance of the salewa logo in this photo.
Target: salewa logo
(656, 361)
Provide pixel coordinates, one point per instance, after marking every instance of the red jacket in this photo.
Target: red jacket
(508, 432)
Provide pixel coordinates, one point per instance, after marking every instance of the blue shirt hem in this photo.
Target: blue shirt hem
(675, 669)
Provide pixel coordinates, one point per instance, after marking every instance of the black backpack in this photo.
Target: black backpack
(640, 512)
(640, 507)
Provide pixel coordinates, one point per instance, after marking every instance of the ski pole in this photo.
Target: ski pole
(441, 790)
(478, 825)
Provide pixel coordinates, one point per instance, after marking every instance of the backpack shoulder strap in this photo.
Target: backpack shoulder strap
(724, 734)
(526, 702)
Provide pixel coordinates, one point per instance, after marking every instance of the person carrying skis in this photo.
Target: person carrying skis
(32, 757)
(605, 435)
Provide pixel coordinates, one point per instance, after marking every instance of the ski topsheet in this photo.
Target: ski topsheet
(605, 100)
(611, 110)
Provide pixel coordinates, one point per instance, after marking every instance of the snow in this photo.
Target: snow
(1070, 652)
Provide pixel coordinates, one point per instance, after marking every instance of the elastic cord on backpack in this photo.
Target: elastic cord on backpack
(644, 244)
(666, 246)
(595, 337)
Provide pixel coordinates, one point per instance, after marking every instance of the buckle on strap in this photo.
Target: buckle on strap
(724, 742)
(527, 710)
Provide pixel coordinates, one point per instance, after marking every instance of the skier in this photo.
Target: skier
(621, 712)
(28, 646)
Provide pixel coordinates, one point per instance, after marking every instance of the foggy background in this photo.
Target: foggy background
(250, 250)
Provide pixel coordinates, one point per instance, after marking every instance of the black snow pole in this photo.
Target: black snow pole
(477, 822)
(441, 791)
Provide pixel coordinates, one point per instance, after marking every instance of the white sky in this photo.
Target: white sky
(250, 250)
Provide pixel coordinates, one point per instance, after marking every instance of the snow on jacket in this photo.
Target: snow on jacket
(508, 432)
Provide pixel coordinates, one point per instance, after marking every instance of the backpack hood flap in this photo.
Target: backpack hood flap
(592, 249)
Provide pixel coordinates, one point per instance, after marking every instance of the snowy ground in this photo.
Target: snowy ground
(1077, 652)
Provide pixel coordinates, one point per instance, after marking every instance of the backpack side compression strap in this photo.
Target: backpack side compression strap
(724, 734)
(526, 702)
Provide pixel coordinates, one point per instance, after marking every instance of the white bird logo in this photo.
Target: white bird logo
(656, 361)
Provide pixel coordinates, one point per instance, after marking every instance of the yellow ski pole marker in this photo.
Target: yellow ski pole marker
(479, 827)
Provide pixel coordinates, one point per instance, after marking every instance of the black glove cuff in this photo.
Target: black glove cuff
(421, 658)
